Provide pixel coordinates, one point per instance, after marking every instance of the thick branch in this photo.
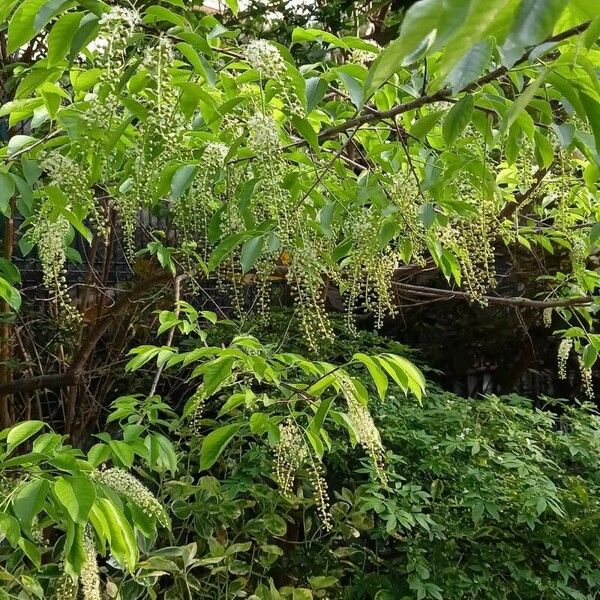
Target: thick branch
(521, 198)
(429, 292)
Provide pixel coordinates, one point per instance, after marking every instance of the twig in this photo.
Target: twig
(176, 293)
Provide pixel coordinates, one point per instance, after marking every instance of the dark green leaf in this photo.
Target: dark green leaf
(214, 444)
(183, 178)
(251, 250)
(457, 119)
(592, 110)
(535, 21)
(29, 501)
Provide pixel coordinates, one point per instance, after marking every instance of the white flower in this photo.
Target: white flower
(363, 57)
(127, 485)
(265, 58)
(89, 576)
(118, 13)
(263, 133)
(214, 154)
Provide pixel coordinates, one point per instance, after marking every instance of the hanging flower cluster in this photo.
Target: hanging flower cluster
(266, 59)
(72, 178)
(127, 485)
(48, 231)
(364, 57)
(292, 454)
(471, 240)
(363, 424)
(89, 575)
(564, 350)
(586, 379)
(65, 588)
(193, 210)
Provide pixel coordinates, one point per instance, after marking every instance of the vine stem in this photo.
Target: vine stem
(177, 294)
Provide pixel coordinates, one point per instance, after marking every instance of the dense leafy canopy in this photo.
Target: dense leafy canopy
(476, 127)
(196, 153)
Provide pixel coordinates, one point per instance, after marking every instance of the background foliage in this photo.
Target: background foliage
(170, 180)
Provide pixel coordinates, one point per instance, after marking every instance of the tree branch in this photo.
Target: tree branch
(371, 116)
(75, 372)
(521, 198)
(419, 290)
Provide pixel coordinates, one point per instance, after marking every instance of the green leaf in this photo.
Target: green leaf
(123, 452)
(21, 432)
(425, 124)
(29, 501)
(77, 494)
(472, 30)
(216, 373)
(224, 249)
(379, 377)
(31, 551)
(143, 355)
(7, 190)
(6, 8)
(160, 13)
(9, 527)
(61, 36)
(122, 540)
(354, 87)
(307, 131)
(98, 454)
(535, 21)
(317, 421)
(590, 354)
(457, 119)
(477, 511)
(190, 53)
(592, 33)
(471, 66)
(73, 549)
(594, 233)
(590, 9)
(316, 88)
(521, 103)
(183, 178)
(321, 582)
(25, 24)
(592, 111)
(251, 250)
(419, 24)
(18, 143)
(275, 524)
(314, 440)
(427, 214)
(233, 6)
(10, 294)
(50, 8)
(214, 444)
(544, 151)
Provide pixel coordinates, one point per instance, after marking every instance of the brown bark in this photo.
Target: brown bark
(74, 375)
(6, 329)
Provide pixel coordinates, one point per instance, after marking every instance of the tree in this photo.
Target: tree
(476, 129)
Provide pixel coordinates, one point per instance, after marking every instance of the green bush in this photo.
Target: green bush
(485, 498)
(481, 498)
